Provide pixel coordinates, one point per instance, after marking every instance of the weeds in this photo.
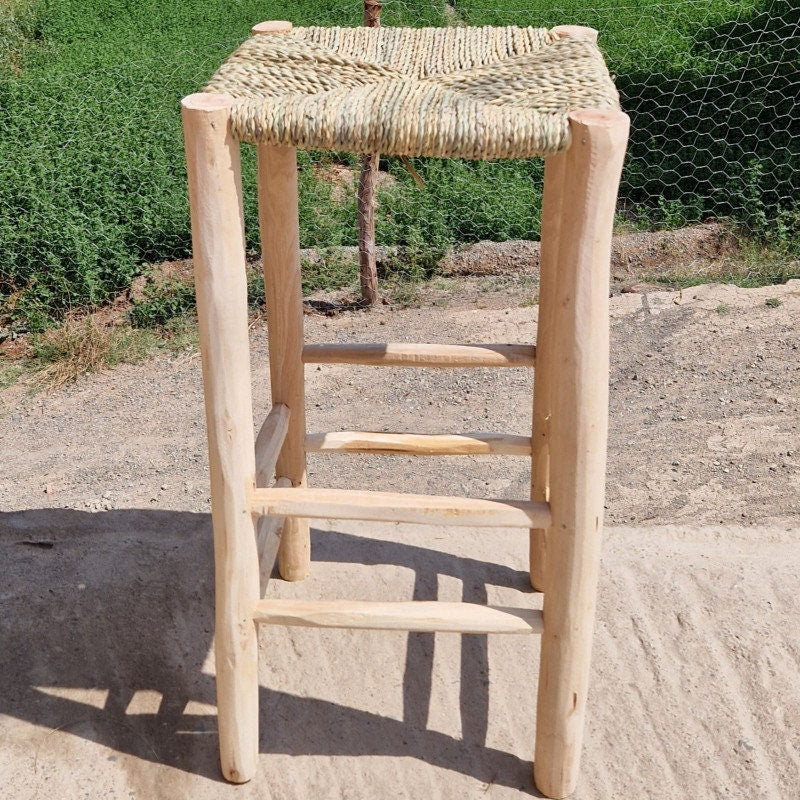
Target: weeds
(753, 263)
(773, 302)
(9, 374)
(162, 303)
(723, 309)
(83, 345)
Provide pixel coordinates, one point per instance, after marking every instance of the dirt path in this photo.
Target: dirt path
(105, 618)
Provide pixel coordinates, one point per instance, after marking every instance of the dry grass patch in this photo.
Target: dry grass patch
(84, 345)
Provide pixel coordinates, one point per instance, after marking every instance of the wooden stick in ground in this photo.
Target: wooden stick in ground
(577, 440)
(280, 249)
(367, 184)
(212, 159)
(548, 272)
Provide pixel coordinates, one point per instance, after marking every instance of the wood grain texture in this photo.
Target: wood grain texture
(218, 246)
(269, 442)
(420, 444)
(271, 26)
(552, 200)
(268, 540)
(580, 32)
(280, 249)
(577, 441)
(367, 265)
(367, 196)
(402, 354)
(392, 507)
(421, 615)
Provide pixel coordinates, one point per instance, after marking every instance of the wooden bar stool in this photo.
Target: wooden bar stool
(476, 93)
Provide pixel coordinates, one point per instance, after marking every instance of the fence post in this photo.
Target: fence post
(367, 183)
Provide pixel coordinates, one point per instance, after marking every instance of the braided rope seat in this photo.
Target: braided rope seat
(460, 92)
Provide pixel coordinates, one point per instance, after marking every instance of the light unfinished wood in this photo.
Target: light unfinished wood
(419, 616)
(407, 354)
(548, 276)
(580, 32)
(269, 442)
(419, 444)
(271, 26)
(280, 248)
(577, 440)
(268, 540)
(218, 245)
(421, 509)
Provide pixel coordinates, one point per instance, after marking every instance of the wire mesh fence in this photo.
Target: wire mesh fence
(92, 178)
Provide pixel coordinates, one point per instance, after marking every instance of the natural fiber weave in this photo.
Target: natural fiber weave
(477, 93)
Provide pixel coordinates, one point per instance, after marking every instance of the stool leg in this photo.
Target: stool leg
(280, 248)
(577, 433)
(212, 159)
(548, 271)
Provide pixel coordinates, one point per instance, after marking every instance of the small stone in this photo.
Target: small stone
(48, 489)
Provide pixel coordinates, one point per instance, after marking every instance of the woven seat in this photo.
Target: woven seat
(462, 92)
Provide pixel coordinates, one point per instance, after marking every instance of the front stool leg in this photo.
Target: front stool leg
(577, 440)
(215, 197)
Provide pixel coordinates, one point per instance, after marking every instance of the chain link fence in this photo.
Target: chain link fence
(92, 179)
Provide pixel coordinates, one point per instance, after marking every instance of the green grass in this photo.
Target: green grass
(9, 374)
(92, 178)
(17, 31)
(752, 264)
(630, 31)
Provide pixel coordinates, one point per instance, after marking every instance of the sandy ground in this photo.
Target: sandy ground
(106, 679)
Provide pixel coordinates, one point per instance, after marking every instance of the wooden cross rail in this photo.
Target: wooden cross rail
(419, 615)
(267, 449)
(268, 540)
(419, 444)
(269, 443)
(406, 354)
(420, 509)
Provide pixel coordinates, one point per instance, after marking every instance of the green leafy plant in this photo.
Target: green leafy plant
(162, 302)
(92, 177)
